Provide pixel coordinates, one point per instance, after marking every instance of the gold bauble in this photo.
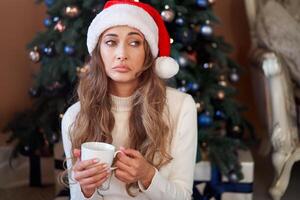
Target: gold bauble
(200, 106)
(72, 11)
(221, 95)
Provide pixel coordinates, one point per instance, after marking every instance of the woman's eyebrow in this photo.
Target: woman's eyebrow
(111, 34)
(135, 33)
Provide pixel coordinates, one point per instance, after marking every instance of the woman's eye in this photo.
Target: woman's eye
(135, 43)
(110, 43)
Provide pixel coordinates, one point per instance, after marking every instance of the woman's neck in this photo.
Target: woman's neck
(123, 89)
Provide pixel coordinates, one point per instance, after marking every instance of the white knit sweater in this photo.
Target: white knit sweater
(172, 181)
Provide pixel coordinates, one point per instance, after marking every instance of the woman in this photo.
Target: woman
(123, 100)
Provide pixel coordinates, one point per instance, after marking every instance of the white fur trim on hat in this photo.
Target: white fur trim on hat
(166, 67)
(123, 14)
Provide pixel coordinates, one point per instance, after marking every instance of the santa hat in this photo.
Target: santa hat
(142, 17)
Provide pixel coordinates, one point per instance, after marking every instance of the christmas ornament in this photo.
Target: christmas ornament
(223, 83)
(204, 145)
(182, 89)
(54, 86)
(221, 95)
(214, 45)
(53, 138)
(82, 69)
(232, 176)
(234, 76)
(72, 11)
(49, 51)
(55, 19)
(168, 15)
(200, 106)
(33, 92)
(49, 3)
(185, 36)
(193, 86)
(59, 26)
(182, 61)
(222, 80)
(97, 9)
(222, 77)
(222, 132)
(204, 120)
(211, 2)
(236, 130)
(206, 30)
(219, 114)
(208, 65)
(25, 150)
(202, 3)
(192, 56)
(179, 21)
(34, 56)
(47, 22)
(69, 50)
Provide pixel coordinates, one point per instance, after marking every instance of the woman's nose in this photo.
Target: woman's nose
(122, 58)
(122, 53)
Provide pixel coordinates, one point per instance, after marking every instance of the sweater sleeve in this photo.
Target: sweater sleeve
(75, 189)
(178, 185)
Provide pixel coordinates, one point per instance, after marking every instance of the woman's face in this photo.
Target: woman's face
(122, 51)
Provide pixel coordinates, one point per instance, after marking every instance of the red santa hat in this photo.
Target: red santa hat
(147, 20)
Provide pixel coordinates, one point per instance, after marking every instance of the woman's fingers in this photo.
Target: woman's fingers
(91, 171)
(124, 176)
(124, 159)
(126, 168)
(132, 153)
(97, 179)
(84, 164)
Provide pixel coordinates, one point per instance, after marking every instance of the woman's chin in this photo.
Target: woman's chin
(123, 79)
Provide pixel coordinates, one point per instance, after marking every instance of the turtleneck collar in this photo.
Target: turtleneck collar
(121, 103)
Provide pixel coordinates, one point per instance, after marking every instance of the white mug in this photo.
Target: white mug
(104, 152)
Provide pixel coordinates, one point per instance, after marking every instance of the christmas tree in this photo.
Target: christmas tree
(206, 72)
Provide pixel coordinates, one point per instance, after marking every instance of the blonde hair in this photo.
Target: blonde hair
(149, 126)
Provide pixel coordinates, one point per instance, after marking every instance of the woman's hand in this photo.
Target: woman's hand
(133, 167)
(90, 174)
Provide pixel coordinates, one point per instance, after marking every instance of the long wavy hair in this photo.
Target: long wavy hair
(149, 123)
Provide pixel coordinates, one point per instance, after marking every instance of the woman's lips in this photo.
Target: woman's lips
(121, 68)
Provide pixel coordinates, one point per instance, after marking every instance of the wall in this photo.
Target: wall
(20, 20)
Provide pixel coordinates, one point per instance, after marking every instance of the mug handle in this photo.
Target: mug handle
(116, 153)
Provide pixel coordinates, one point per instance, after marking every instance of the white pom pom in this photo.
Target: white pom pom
(166, 67)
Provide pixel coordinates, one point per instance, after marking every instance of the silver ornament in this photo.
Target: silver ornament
(34, 56)
(234, 77)
(233, 177)
(182, 61)
(206, 30)
(168, 15)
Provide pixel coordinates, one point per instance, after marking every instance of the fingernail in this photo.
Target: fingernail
(105, 166)
(96, 160)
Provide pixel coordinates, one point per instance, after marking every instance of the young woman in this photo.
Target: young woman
(123, 100)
